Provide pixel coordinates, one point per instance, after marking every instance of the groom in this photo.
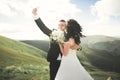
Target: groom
(54, 53)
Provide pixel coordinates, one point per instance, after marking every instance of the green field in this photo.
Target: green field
(100, 56)
(19, 61)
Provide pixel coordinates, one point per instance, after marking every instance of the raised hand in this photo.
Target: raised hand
(34, 11)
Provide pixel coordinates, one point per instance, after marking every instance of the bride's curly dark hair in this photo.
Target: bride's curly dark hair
(74, 30)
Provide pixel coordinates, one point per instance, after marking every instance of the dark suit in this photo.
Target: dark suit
(53, 52)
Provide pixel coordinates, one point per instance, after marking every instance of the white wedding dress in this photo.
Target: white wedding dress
(71, 68)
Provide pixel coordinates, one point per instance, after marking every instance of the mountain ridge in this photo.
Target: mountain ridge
(29, 60)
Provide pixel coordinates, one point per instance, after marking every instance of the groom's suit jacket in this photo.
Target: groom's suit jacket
(54, 49)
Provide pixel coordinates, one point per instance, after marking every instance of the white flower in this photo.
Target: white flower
(57, 35)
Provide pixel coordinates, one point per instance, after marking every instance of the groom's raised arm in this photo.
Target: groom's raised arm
(40, 24)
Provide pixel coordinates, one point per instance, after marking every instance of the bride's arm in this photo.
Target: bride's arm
(64, 48)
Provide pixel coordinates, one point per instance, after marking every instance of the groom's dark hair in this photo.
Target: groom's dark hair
(62, 20)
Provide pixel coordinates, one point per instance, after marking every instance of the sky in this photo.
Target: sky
(97, 17)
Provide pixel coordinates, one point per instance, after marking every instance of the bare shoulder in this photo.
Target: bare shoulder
(67, 44)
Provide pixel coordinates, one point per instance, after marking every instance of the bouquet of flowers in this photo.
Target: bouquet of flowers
(57, 36)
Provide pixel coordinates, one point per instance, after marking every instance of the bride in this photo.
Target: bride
(71, 68)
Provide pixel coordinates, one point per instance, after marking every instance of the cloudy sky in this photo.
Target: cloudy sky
(97, 17)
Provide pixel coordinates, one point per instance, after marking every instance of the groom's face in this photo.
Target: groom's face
(62, 26)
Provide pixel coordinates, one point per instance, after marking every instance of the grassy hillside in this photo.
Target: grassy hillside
(90, 58)
(19, 61)
(100, 55)
(107, 48)
(38, 43)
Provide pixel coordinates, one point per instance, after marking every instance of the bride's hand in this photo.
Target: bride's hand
(61, 41)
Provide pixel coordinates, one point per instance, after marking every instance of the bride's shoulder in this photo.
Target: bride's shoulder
(67, 44)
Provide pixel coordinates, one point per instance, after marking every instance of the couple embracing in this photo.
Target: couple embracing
(64, 42)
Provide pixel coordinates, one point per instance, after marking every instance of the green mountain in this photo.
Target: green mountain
(20, 61)
(38, 43)
(100, 55)
(105, 52)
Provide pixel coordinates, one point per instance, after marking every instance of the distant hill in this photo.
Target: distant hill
(20, 61)
(105, 52)
(100, 55)
(38, 43)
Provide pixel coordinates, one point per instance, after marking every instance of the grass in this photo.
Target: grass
(90, 57)
(20, 61)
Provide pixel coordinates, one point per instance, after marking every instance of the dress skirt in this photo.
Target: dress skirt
(71, 68)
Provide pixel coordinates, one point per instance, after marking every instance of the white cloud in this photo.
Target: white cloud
(4, 9)
(45, 7)
(54, 10)
(11, 7)
(105, 24)
(20, 32)
(17, 21)
(106, 8)
(103, 28)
